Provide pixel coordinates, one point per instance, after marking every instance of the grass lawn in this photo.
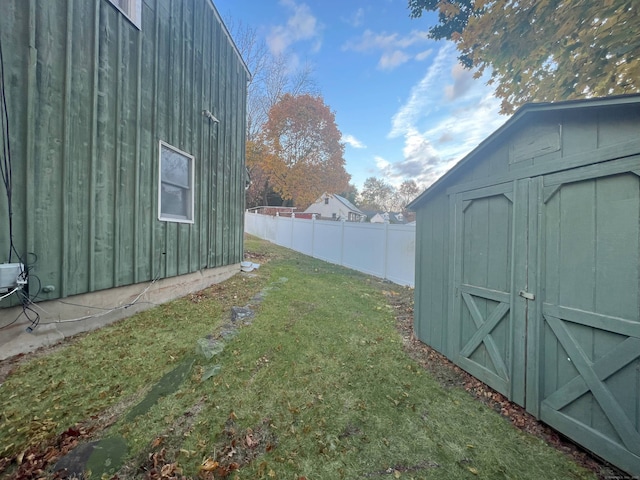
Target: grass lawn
(318, 386)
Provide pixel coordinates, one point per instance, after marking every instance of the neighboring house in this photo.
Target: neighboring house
(335, 207)
(369, 214)
(528, 268)
(380, 217)
(388, 217)
(127, 123)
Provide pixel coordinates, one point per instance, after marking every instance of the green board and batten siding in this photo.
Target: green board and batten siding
(528, 268)
(90, 96)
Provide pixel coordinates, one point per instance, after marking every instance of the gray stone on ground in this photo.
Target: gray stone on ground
(208, 347)
(100, 457)
(241, 313)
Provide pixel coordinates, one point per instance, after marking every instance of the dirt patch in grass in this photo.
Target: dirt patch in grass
(450, 375)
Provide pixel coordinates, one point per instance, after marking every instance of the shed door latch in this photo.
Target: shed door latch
(527, 295)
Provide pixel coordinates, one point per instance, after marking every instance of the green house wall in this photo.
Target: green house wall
(90, 96)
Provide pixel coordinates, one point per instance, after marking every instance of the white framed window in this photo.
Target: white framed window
(176, 189)
(132, 9)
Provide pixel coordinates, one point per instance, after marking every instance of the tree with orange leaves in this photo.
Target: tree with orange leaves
(303, 154)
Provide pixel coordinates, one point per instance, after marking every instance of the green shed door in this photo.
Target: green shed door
(488, 332)
(590, 346)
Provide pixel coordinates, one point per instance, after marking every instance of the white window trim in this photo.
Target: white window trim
(133, 13)
(169, 218)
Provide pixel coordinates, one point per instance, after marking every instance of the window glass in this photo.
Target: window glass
(175, 168)
(176, 185)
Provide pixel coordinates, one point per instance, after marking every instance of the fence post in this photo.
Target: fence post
(313, 235)
(342, 244)
(386, 250)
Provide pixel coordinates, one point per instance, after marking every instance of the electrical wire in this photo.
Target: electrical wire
(10, 293)
(135, 301)
(12, 322)
(33, 317)
(64, 302)
(7, 179)
(5, 161)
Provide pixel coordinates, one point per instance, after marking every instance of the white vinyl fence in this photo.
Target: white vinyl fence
(383, 250)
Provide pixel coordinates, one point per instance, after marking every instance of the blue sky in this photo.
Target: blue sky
(405, 107)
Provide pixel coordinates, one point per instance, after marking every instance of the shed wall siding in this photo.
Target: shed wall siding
(89, 98)
(557, 330)
(609, 133)
(432, 252)
(615, 130)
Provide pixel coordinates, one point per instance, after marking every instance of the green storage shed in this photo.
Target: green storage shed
(528, 268)
(126, 125)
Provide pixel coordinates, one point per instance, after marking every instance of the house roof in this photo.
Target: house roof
(392, 217)
(348, 204)
(228, 35)
(528, 111)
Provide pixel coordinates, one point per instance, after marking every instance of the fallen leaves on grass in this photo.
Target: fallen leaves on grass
(159, 467)
(397, 470)
(34, 462)
(236, 448)
(450, 375)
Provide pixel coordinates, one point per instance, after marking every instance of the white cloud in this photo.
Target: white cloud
(391, 60)
(423, 97)
(447, 115)
(353, 141)
(395, 49)
(355, 19)
(424, 55)
(371, 41)
(301, 25)
(381, 163)
(467, 126)
(462, 82)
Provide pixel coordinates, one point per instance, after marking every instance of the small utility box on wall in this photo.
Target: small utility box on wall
(10, 276)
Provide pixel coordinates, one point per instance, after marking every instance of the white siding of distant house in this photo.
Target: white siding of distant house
(327, 206)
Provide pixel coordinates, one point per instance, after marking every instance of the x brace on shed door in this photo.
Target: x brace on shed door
(488, 335)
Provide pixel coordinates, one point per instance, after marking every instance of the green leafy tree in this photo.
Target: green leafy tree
(543, 50)
(351, 194)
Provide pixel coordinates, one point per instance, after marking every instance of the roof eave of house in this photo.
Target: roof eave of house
(233, 43)
(526, 110)
(348, 204)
